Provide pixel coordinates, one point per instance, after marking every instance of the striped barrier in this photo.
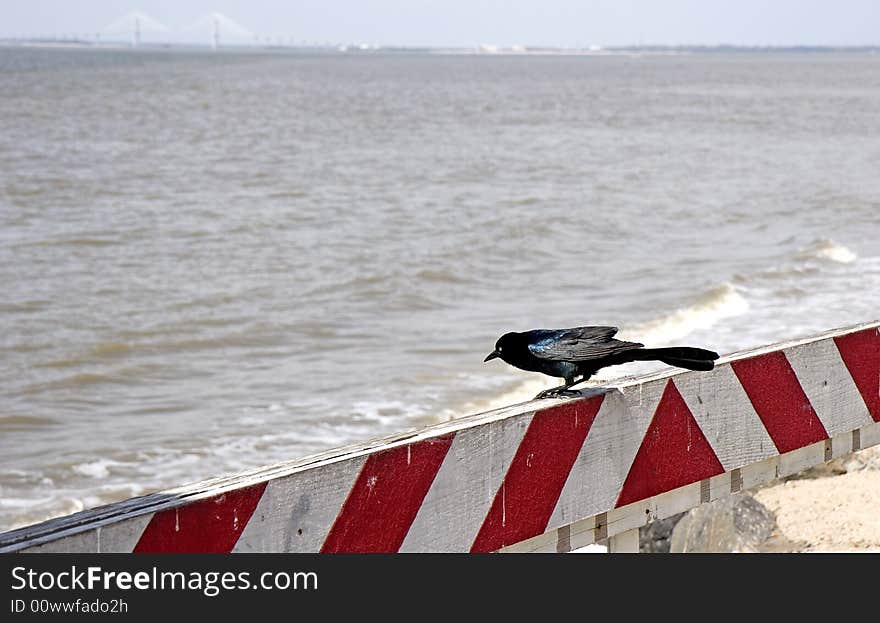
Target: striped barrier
(549, 475)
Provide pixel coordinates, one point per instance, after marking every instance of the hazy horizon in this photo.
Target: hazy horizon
(454, 23)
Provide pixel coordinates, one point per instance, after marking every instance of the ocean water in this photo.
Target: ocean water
(211, 262)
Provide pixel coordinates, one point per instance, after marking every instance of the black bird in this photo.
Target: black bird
(581, 351)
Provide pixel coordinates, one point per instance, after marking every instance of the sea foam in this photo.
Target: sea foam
(829, 250)
(724, 301)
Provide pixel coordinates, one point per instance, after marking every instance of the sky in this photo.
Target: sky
(559, 23)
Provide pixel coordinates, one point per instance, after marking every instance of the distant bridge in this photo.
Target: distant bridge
(218, 26)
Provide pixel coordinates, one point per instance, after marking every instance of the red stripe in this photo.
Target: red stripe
(780, 401)
(674, 452)
(531, 487)
(212, 525)
(386, 496)
(860, 352)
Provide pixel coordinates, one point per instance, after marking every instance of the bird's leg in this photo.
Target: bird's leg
(562, 390)
(555, 392)
(571, 382)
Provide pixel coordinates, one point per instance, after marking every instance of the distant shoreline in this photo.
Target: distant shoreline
(481, 50)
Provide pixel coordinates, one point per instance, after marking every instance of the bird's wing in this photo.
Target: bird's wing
(578, 344)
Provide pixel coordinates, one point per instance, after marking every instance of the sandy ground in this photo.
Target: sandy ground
(833, 508)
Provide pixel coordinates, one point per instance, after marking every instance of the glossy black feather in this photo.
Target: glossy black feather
(577, 344)
(582, 351)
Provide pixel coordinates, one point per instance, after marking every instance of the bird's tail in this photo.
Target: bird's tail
(679, 356)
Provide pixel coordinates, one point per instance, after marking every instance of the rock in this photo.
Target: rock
(738, 523)
(654, 538)
(869, 458)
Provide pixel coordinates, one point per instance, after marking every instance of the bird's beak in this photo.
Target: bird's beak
(492, 355)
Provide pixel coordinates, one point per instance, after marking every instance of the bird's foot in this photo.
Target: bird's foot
(557, 392)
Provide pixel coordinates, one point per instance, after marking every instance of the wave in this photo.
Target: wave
(9, 423)
(780, 273)
(117, 376)
(439, 275)
(96, 469)
(68, 382)
(724, 301)
(385, 411)
(110, 349)
(74, 242)
(806, 263)
(287, 194)
(25, 307)
(828, 250)
(243, 339)
(524, 391)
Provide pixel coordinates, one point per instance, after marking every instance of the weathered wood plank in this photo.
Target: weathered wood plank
(624, 542)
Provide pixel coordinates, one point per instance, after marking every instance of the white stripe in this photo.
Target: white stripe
(614, 439)
(726, 416)
(463, 490)
(124, 535)
(297, 511)
(121, 537)
(829, 386)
